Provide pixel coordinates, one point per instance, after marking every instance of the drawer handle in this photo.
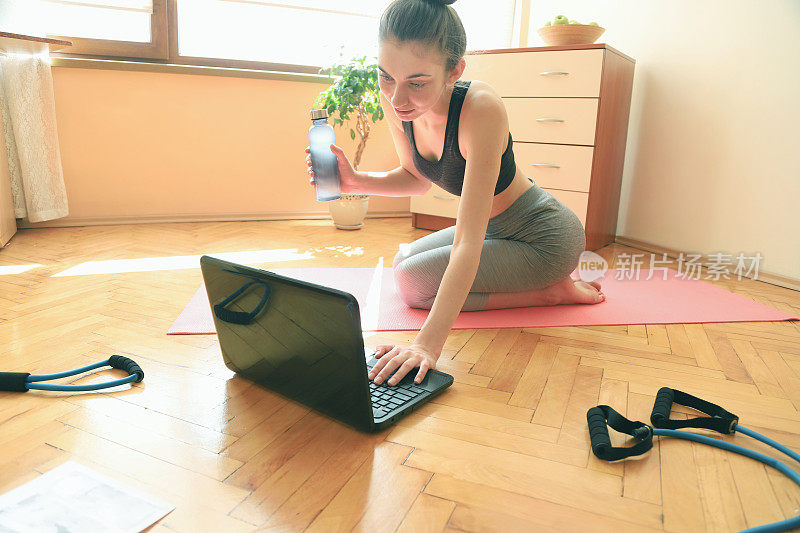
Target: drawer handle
(554, 73)
(440, 197)
(549, 120)
(548, 165)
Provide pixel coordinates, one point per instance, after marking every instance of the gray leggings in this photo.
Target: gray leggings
(533, 244)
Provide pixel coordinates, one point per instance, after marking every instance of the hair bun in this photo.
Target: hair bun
(440, 2)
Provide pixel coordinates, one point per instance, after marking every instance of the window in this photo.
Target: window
(118, 20)
(283, 35)
(107, 28)
(290, 32)
(310, 32)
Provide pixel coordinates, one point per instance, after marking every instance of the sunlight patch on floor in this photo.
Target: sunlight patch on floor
(369, 315)
(6, 270)
(146, 264)
(343, 249)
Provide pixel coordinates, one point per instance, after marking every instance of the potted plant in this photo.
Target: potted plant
(354, 92)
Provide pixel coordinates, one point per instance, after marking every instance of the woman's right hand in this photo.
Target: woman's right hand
(347, 176)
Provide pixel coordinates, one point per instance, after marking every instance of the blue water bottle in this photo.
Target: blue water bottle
(323, 160)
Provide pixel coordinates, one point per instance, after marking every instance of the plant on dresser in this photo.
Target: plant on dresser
(568, 110)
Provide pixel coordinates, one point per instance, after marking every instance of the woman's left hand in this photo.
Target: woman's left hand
(405, 358)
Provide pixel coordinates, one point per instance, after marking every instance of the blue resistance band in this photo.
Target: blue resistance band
(23, 381)
(784, 525)
(601, 417)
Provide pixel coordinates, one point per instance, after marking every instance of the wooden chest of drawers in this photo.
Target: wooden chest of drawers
(568, 110)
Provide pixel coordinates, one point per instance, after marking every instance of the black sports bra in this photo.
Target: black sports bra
(448, 172)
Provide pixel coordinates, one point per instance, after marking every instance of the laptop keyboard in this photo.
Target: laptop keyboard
(386, 398)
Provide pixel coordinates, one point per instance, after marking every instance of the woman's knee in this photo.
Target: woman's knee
(403, 253)
(433, 241)
(579, 246)
(415, 299)
(398, 258)
(420, 302)
(411, 290)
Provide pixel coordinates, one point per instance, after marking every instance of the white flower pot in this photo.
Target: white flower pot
(348, 213)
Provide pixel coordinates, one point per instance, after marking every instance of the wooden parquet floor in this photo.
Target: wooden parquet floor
(504, 449)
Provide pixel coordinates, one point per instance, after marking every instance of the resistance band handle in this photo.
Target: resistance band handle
(241, 317)
(14, 381)
(232, 317)
(600, 418)
(598, 430)
(719, 419)
(128, 365)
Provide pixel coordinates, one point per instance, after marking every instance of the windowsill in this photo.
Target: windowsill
(110, 64)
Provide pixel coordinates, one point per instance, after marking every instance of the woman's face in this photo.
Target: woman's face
(411, 76)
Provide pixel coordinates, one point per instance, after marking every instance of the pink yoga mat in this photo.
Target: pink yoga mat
(628, 301)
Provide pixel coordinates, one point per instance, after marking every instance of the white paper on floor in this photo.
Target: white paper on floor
(73, 498)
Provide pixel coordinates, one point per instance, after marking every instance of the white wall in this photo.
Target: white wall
(713, 156)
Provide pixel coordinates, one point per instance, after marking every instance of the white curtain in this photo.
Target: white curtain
(29, 121)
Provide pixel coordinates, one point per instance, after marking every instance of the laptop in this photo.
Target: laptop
(304, 341)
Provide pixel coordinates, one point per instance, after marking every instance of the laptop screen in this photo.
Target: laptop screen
(296, 338)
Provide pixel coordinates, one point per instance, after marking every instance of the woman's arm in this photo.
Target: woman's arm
(402, 181)
(397, 182)
(453, 290)
(485, 138)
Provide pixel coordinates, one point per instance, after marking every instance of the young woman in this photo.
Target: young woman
(514, 244)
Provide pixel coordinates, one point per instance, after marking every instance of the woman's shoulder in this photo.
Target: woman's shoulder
(480, 98)
(480, 92)
(481, 103)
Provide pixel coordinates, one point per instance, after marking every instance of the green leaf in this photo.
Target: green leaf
(354, 89)
(352, 134)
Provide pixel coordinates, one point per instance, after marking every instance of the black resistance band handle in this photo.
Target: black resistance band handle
(600, 418)
(719, 419)
(241, 317)
(128, 365)
(14, 381)
(232, 317)
(598, 431)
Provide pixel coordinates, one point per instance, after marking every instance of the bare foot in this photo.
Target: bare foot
(570, 291)
(595, 284)
(590, 292)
